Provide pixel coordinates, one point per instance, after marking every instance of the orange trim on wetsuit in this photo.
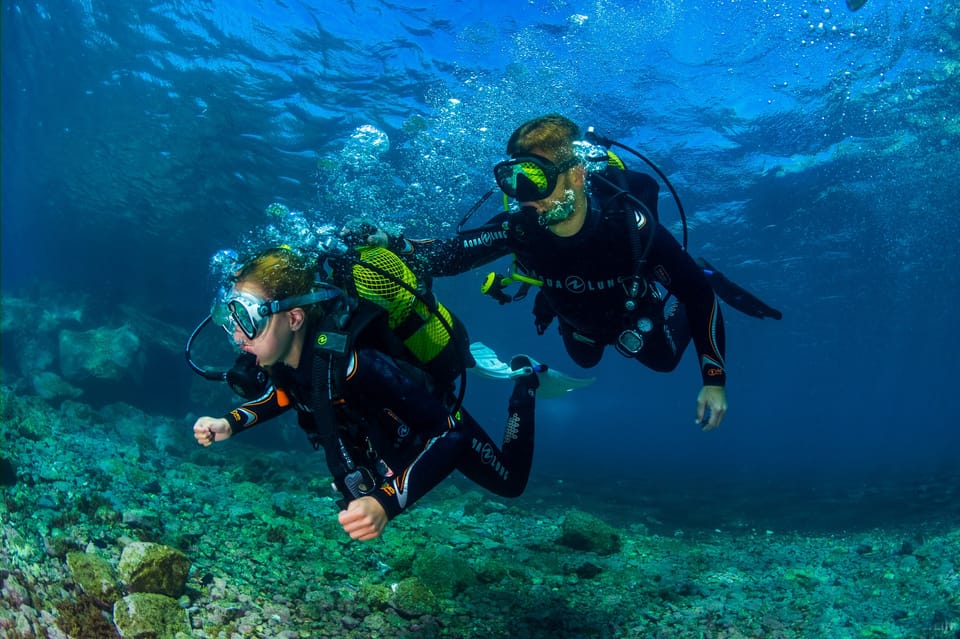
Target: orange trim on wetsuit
(275, 402)
(711, 364)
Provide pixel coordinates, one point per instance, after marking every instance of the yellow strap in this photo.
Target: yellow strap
(614, 161)
(519, 277)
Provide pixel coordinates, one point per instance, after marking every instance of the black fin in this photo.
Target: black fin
(735, 295)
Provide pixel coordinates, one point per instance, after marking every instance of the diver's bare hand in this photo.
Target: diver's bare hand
(207, 430)
(711, 407)
(364, 519)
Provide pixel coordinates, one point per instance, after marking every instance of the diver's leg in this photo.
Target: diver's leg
(584, 351)
(504, 470)
(664, 346)
(735, 295)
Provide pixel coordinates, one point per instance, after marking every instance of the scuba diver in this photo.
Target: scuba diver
(585, 230)
(369, 362)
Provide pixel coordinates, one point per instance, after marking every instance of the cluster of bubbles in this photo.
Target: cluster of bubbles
(593, 156)
(439, 164)
(821, 23)
(364, 148)
(359, 183)
(297, 229)
(300, 231)
(358, 180)
(425, 181)
(443, 163)
(223, 264)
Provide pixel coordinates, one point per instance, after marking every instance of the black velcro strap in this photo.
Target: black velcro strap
(334, 342)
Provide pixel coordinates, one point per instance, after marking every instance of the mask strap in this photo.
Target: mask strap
(322, 295)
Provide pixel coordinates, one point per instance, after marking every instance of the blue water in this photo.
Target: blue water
(814, 149)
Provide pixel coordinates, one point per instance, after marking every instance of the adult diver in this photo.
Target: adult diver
(585, 229)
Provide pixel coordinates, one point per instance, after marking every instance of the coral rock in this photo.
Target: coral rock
(150, 615)
(95, 576)
(154, 568)
(102, 353)
(582, 531)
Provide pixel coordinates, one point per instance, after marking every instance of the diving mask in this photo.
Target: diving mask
(529, 178)
(250, 314)
(243, 311)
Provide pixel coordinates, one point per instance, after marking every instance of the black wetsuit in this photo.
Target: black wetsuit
(390, 411)
(585, 277)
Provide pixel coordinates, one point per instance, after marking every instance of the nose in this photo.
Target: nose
(238, 337)
(537, 206)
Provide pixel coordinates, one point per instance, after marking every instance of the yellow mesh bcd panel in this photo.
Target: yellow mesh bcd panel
(429, 335)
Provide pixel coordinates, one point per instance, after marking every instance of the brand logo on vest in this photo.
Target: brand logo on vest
(576, 284)
(321, 339)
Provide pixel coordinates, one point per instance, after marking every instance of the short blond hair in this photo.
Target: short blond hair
(551, 133)
(281, 273)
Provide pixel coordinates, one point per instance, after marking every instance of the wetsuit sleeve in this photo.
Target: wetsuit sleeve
(458, 254)
(271, 404)
(677, 271)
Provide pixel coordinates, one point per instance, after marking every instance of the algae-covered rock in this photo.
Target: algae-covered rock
(146, 614)
(95, 576)
(49, 385)
(583, 531)
(101, 353)
(412, 598)
(442, 570)
(155, 568)
(492, 569)
(375, 595)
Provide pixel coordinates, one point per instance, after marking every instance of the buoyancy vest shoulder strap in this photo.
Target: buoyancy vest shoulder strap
(331, 349)
(617, 200)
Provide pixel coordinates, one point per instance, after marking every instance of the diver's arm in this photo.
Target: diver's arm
(711, 406)
(269, 405)
(441, 257)
(458, 254)
(684, 279)
(454, 255)
(207, 430)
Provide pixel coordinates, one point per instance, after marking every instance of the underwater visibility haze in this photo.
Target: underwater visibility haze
(813, 146)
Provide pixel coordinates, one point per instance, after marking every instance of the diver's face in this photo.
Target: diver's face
(557, 196)
(562, 211)
(273, 343)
